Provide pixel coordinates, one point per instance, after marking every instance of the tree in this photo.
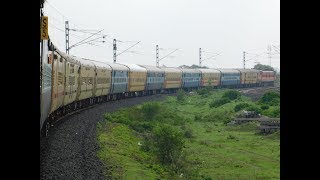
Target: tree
(263, 67)
(270, 98)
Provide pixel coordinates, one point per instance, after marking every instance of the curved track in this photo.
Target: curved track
(69, 152)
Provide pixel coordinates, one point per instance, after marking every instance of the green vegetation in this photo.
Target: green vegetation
(227, 97)
(270, 104)
(219, 102)
(181, 96)
(184, 137)
(231, 94)
(270, 98)
(263, 67)
(241, 106)
(167, 143)
(205, 92)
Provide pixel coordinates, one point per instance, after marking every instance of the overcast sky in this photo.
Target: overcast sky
(228, 27)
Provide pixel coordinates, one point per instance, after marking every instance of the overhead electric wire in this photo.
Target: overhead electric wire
(257, 55)
(276, 49)
(128, 48)
(94, 44)
(84, 31)
(83, 40)
(169, 54)
(57, 20)
(217, 54)
(121, 41)
(47, 2)
(63, 31)
(65, 17)
(88, 41)
(56, 27)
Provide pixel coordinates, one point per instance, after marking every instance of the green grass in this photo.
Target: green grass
(226, 152)
(213, 150)
(120, 149)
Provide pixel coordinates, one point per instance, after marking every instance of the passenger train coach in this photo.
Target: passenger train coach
(69, 83)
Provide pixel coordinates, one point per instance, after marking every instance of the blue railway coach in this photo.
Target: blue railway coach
(229, 77)
(119, 83)
(190, 78)
(155, 79)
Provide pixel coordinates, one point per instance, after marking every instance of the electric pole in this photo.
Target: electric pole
(67, 36)
(200, 57)
(157, 55)
(114, 50)
(244, 59)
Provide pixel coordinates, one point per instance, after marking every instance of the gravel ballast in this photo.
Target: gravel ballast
(70, 150)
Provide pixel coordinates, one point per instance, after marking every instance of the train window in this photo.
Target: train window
(72, 70)
(49, 59)
(83, 79)
(60, 78)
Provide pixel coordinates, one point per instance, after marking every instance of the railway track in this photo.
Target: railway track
(69, 152)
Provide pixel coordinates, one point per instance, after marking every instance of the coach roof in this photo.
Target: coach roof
(134, 67)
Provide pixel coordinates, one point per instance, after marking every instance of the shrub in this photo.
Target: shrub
(207, 178)
(204, 91)
(141, 126)
(150, 109)
(219, 102)
(264, 107)
(232, 137)
(273, 112)
(147, 144)
(205, 142)
(168, 143)
(181, 96)
(227, 120)
(231, 94)
(188, 133)
(254, 108)
(276, 113)
(224, 116)
(270, 98)
(198, 117)
(118, 117)
(169, 116)
(240, 106)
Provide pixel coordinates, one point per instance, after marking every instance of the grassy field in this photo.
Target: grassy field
(211, 149)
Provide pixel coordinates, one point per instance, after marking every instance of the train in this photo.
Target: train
(69, 83)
